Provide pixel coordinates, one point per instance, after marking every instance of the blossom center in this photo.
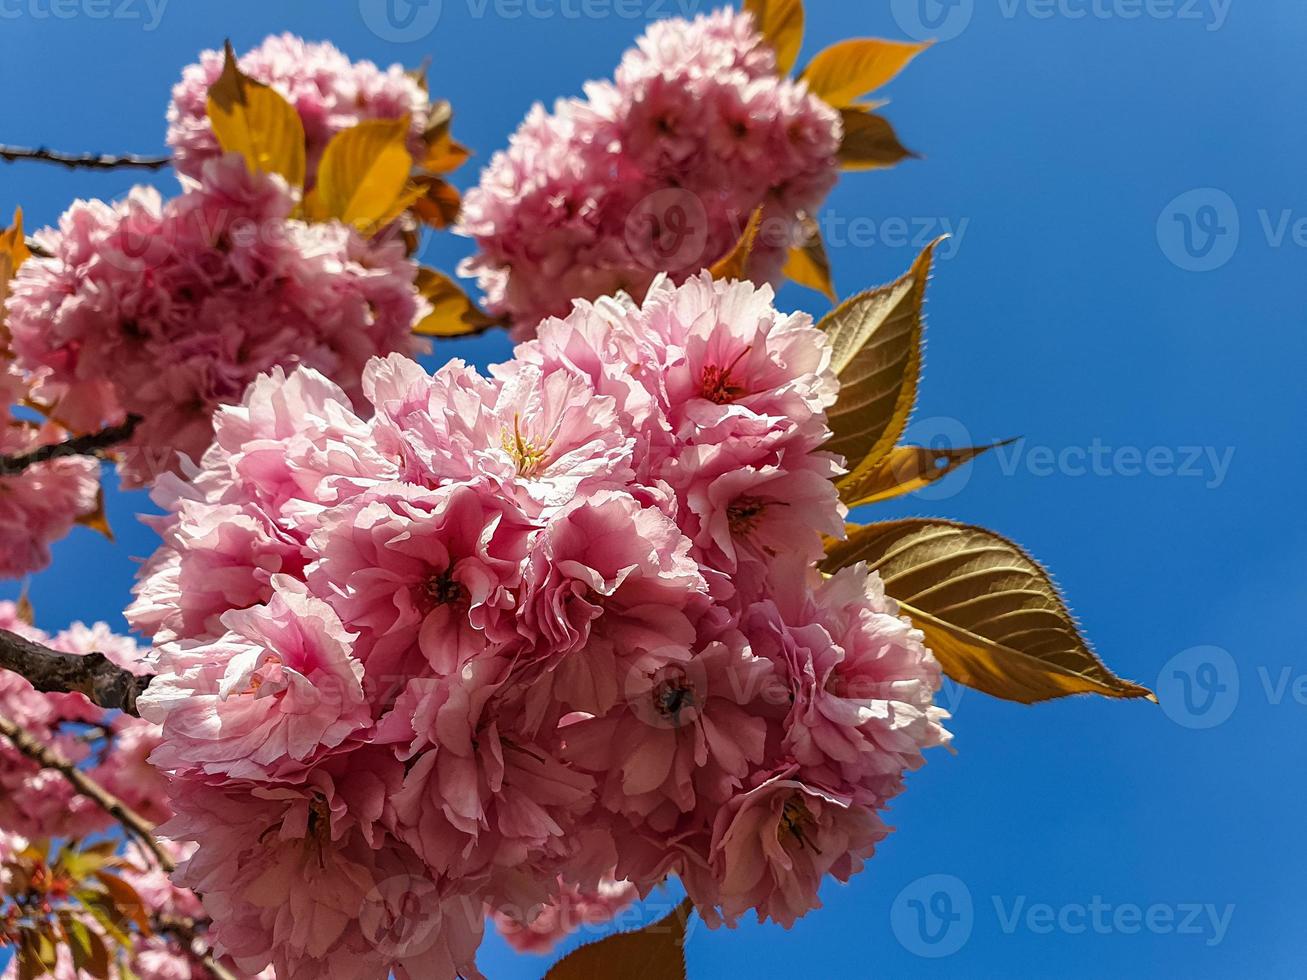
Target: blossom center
(797, 821)
(527, 457)
(673, 696)
(444, 590)
(716, 383)
(743, 514)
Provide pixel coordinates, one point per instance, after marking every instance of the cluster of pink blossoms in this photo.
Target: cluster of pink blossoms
(656, 171)
(112, 749)
(39, 505)
(527, 643)
(37, 802)
(330, 93)
(166, 311)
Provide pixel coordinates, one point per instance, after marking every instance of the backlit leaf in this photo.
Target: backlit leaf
(87, 948)
(440, 202)
(781, 23)
(807, 263)
(253, 120)
(876, 342)
(869, 142)
(848, 70)
(990, 613)
(735, 263)
(97, 520)
(453, 314)
(656, 952)
(13, 253)
(23, 609)
(908, 469)
(363, 174)
(126, 900)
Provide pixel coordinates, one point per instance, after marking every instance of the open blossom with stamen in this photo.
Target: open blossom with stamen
(656, 171)
(511, 637)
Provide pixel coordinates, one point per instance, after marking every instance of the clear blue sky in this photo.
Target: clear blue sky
(1091, 838)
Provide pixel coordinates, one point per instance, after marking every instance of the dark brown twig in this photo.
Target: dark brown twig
(48, 758)
(84, 161)
(102, 682)
(91, 444)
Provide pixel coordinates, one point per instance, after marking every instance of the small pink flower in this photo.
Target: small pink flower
(685, 734)
(606, 582)
(773, 845)
(861, 682)
(264, 701)
(425, 578)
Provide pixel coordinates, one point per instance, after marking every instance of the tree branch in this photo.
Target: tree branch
(84, 161)
(186, 933)
(91, 444)
(103, 682)
(48, 758)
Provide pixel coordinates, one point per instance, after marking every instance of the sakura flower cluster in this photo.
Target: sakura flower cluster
(40, 504)
(656, 171)
(167, 311)
(530, 642)
(330, 93)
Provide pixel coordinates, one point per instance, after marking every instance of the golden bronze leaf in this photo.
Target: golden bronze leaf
(991, 614)
(656, 952)
(254, 120)
(735, 263)
(781, 23)
(848, 70)
(908, 469)
(869, 142)
(363, 176)
(876, 342)
(453, 313)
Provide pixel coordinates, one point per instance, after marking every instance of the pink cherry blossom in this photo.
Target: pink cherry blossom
(657, 171)
(268, 699)
(773, 845)
(500, 642)
(168, 311)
